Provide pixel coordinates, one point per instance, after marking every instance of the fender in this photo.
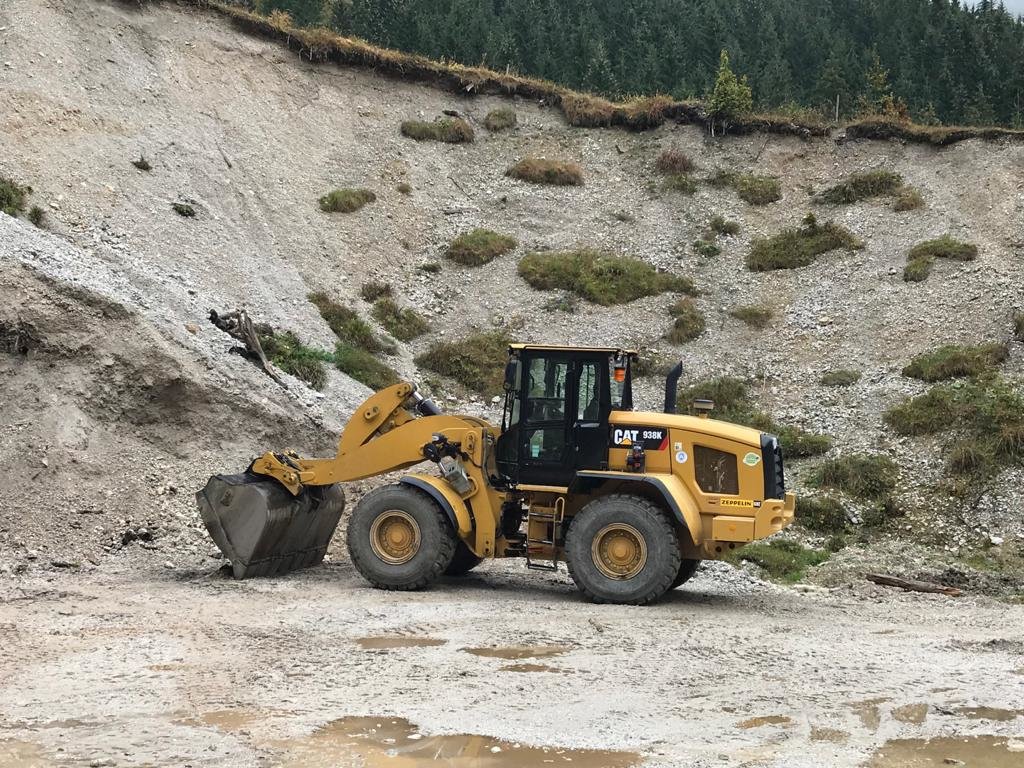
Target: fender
(447, 499)
(675, 494)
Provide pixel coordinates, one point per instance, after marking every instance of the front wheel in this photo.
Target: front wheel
(399, 538)
(463, 562)
(622, 549)
(687, 569)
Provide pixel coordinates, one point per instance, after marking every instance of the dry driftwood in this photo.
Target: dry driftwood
(911, 585)
(239, 326)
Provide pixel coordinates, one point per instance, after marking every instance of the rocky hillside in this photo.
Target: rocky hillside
(124, 395)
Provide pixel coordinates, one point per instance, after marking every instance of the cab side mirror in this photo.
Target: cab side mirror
(512, 375)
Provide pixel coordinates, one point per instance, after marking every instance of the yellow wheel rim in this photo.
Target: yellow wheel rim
(619, 551)
(395, 537)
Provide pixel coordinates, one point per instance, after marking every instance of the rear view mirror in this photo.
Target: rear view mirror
(512, 375)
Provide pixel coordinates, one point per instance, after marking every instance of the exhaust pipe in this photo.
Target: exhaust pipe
(672, 387)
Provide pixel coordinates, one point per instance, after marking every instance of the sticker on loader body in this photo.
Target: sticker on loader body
(648, 438)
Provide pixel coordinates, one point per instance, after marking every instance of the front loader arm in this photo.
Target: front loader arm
(384, 435)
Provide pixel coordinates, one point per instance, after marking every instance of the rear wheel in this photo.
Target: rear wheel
(463, 562)
(687, 569)
(399, 538)
(622, 549)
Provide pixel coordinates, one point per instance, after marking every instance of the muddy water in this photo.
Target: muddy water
(22, 754)
(911, 713)
(869, 713)
(530, 668)
(976, 752)
(831, 735)
(388, 643)
(513, 652)
(758, 722)
(991, 713)
(396, 743)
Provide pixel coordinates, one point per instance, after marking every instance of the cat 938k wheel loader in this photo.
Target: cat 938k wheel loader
(631, 501)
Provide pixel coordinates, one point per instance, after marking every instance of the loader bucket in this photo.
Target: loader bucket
(264, 530)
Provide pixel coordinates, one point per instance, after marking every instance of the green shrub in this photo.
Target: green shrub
(673, 161)
(720, 177)
(945, 247)
(540, 171)
(476, 361)
(908, 199)
(689, 322)
(374, 290)
(479, 247)
(917, 270)
(1018, 327)
(840, 378)
(722, 226)
(348, 326)
(861, 186)
(362, 366)
(953, 361)
(793, 248)
(758, 190)
(733, 403)
(12, 197)
(184, 209)
(430, 267)
(142, 164)
(982, 419)
(821, 513)
(500, 119)
(781, 559)
(404, 187)
(869, 478)
(706, 248)
(680, 182)
(599, 277)
(403, 324)
(753, 315)
(37, 216)
(289, 354)
(450, 130)
(346, 200)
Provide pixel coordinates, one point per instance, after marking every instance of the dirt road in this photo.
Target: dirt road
(136, 664)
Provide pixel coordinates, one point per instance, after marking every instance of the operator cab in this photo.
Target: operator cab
(557, 404)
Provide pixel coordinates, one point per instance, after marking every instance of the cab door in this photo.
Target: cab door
(544, 446)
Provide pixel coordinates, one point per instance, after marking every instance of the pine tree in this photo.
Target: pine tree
(731, 98)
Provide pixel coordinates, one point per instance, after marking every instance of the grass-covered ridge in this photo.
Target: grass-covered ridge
(348, 326)
(476, 361)
(734, 403)
(954, 361)
(479, 246)
(799, 247)
(401, 322)
(598, 277)
(923, 255)
(287, 352)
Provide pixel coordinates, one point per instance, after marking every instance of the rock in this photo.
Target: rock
(496, 399)
(996, 541)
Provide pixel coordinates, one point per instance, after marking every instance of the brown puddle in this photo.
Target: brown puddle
(757, 722)
(530, 668)
(396, 743)
(227, 720)
(975, 751)
(22, 754)
(397, 641)
(911, 713)
(870, 715)
(832, 735)
(990, 713)
(513, 652)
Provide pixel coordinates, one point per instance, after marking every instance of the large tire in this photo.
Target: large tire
(463, 562)
(687, 568)
(399, 538)
(622, 549)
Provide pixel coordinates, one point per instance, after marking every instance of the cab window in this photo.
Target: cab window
(547, 390)
(717, 471)
(588, 402)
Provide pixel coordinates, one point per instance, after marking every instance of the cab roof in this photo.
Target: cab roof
(557, 348)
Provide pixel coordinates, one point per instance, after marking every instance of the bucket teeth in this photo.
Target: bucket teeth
(264, 530)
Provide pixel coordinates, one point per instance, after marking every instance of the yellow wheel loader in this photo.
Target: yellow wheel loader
(631, 501)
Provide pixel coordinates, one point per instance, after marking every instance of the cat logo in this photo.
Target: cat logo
(649, 438)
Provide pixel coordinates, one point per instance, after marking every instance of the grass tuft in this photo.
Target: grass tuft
(733, 403)
(346, 200)
(404, 187)
(822, 514)
(348, 326)
(840, 378)
(362, 366)
(680, 182)
(954, 361)
(12, 197)
(476, 361)
(907, 199)
(782, 559)
(402, 323)
(374, 290)
(706, 248)
(923, 255)
(479, 247)
(756, 316)
(500, 120)
(284, 350)
(917, 270)
(722, 226)
(868, 478)
(565, 302)
(37, 216)
(689, 322)
(598, 277)
(450, 130)
(430, 267)
(537, 170)
(861, 186)
(758, 190)
(142, 164)
(793, 248)
(674, 161)
(184, 209)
